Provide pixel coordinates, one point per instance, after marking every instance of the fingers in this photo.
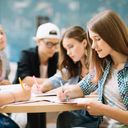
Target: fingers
(35, 89)
(88, 108)
(26, 87)
(62, 95)
(85, 105)
(5, 82)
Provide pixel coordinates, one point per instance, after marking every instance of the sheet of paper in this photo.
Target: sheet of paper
(49, 96)
(33, 99)
(52, 92)
(8, 88)
(54, 99)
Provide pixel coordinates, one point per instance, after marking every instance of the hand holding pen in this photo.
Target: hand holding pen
(62, 93)
(35, 82)
(21, 83)
(36, 87)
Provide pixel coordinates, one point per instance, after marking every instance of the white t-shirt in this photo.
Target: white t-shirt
(113, 98)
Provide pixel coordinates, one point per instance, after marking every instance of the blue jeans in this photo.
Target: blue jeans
(6, 122)
(78, 118)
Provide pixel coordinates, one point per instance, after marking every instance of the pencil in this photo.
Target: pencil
(21, 83)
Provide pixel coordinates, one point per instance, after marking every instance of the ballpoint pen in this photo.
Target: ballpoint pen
(62, 86)
(67, 97)
(21, 83)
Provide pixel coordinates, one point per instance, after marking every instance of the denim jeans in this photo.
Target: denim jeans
(6, 122)
(78, 118)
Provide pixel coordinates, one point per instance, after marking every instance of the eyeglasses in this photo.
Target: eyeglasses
(50, 44)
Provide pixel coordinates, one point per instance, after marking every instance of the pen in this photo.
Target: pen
(62, 86)
(21, 83)
(67, 98)
(34, 78)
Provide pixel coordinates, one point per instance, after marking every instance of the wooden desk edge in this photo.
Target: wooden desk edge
(38, 107)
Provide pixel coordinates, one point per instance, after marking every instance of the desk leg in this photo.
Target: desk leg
(36, 120)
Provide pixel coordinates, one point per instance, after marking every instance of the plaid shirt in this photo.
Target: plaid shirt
(87, 87)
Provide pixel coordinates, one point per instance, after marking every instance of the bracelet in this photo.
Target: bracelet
(13, 96)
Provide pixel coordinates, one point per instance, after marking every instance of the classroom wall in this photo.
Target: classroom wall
(19, 17)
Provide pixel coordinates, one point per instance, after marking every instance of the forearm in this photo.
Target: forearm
(30, 80)
(7, 98)
(46, 86)
(75, 91)
(116, 113)
(5, 82)
(40, 80)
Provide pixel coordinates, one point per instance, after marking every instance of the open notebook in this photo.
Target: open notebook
(54, 99)
(49, 93)
(49, 96)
